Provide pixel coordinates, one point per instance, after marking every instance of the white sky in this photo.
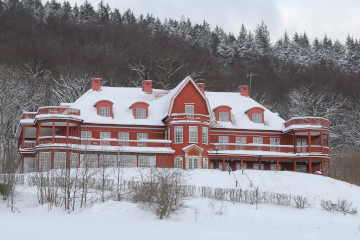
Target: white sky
(336, 18)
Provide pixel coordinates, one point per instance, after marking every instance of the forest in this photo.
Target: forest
(49, 52)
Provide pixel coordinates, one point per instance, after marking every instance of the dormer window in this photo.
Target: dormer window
(140, 113)
(256, 114)
(140, 110)
(257, 118)
(189, 109)
(104, 111)
(223, 113)
(223, 116)
(104, 108)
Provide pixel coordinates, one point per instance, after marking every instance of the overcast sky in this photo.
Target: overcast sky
(336, 18)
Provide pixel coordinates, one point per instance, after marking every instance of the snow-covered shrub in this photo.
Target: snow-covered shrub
(342, 206)
(301, 202)
(161, 191)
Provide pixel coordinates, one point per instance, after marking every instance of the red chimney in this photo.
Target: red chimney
(147, 86)
(96, 84)
(244, 90)
(201, 86)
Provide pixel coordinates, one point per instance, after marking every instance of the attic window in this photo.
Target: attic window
(104, 111)
(257, 117)
(189, 109)
(140, 113)
(223, 116)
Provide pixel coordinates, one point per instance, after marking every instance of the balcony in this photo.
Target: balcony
(28, 115)
(59, 111)
(29, 145)
(268, 148)
(190, 117)
(311, 121)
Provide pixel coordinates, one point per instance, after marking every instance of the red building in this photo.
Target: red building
(186, 127)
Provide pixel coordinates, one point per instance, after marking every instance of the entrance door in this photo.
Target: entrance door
(193, 162)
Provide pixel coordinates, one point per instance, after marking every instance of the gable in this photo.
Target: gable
(189, 94)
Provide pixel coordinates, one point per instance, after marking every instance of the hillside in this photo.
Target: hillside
(203, 218)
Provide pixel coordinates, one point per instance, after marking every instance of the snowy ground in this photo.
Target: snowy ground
(202, 219)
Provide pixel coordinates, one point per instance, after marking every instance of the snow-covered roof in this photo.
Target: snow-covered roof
(160, 103)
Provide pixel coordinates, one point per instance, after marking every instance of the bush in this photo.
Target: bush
(161, 191)
(301, 202)
(342, 206)
(4, 190)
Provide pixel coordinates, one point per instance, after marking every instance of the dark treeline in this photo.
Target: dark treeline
(54, 48)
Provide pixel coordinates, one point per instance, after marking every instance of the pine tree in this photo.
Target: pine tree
(262, 39)
(115, 16)
(87, 12)
(128, 17)
(242, 38)
(103, 12)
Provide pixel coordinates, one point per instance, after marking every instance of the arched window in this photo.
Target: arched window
(104, 108)
(256, 114)
(223, 113)
(140, 110)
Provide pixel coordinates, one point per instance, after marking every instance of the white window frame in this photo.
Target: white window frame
(189, 109)
(108, 161)
(140, 113)
(74, 160)
(59, 160)
(29, 164)
(147, 161)
(221, 141)
(178, 162)
(127, 161)
(274, 141)
(240, 140)
(273, 167)
(224, 117)
(45, 161)
(193, 134)
(258, 140)
(257, 118)
(205, 135)
(104, 111)
(238, 166)
(179, 134)
(169, 134)
(141, 136)
(86, 134)
(205, 163)
(124, 138)
(107, 136)
(89, 160)
(193, 162)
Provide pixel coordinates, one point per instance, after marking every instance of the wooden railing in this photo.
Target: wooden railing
(59, 110)
(308, 121)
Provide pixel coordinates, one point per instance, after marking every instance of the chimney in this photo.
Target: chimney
(147, 86)
(244, 90)
(96, 84)
(201, 86)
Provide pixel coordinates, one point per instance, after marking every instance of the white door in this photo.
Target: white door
(193, 163)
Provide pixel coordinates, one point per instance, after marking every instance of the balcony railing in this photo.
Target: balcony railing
(59, 110)
(29, 144)
(314, 121)
(268, 147)
(190, 117)
(28, 115)
(104, 142)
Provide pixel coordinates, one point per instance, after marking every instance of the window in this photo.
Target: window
(59, 160)
(273, 167)
(85, 134)
(241, 141)
(178, 162)
(127, 161)
(178, 134)
(169, 134)
(45, 161)
(301, 145)
(227, 167)
(123, 138)
(107, 136)
(257, 140)
(193, 163)
(29, 165)
(222, 141)
(104, 111)
(142, 136)
(244, 165)
(257, 117)
(108, 161)
(89, 160)
(205, 135)
(193, 134)
(274, 141)
(189, 109)
(147, 161)
(224, 116)
(140, 113)
(256, 166)
(74, 160)
(205, 163)
(325, 140)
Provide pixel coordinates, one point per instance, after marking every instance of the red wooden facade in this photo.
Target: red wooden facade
(189, 134)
